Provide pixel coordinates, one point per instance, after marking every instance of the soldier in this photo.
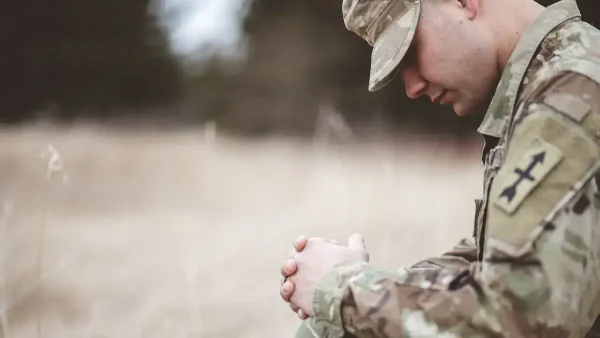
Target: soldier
(532, 268)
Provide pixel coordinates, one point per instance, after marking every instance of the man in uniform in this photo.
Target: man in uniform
(533, 266)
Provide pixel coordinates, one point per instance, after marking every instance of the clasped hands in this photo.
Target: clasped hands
(310, 260)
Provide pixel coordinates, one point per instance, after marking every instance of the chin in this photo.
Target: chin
(463, 110)
(459, 110)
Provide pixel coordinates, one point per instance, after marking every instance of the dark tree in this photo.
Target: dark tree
(83, 53)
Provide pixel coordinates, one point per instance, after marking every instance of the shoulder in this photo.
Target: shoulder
(567, 80)
(570, 43)
(552, 154)
(569, 92)
(553, 142)
(572, 47)
(574, 37)
(564, 109)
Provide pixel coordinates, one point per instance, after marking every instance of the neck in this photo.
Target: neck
(509, 27)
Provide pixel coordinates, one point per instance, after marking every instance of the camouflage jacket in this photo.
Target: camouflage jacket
(533, 266)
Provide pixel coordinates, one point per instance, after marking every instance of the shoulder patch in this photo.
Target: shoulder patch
(535, 164)
(568, 104)
(527, 191)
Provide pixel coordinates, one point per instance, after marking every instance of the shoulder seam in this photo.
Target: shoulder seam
(570, 121)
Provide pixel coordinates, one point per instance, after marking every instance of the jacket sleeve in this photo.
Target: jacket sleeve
(460, 256)
(540, 275)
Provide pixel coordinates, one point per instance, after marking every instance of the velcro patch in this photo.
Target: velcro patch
(535, 164)
(568, 104)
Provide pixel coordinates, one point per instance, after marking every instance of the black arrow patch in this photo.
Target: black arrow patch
(523, 175)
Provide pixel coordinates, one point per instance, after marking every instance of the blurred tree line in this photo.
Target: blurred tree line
(92, 57)
(82, 54)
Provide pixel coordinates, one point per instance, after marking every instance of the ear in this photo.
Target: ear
(471, 7)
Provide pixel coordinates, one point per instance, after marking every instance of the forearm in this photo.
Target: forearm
(369, 302)
(427, 271)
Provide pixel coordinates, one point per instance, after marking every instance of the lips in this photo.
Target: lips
(438, 98)
(444, 100)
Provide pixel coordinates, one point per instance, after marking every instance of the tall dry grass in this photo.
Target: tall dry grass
(147, 234)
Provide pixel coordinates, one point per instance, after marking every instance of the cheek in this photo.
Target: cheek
(432, 64)
(440, 62)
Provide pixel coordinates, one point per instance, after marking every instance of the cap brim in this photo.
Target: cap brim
(392, 46)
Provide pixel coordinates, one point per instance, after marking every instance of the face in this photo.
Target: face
(452, 59)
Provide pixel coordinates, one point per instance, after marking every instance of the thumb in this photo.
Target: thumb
(356, 242)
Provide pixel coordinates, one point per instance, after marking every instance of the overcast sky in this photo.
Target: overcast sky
(204, 22)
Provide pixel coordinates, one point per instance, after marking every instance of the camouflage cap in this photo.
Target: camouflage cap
(388, 26)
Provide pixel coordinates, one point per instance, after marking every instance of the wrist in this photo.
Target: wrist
(328, 297)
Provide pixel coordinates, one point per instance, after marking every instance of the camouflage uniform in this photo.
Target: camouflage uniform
(533, 266)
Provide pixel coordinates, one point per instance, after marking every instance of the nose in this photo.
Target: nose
(414, 83)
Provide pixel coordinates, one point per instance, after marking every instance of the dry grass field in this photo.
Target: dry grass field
(153, 234)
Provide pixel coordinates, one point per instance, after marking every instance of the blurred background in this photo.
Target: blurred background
(158, 158)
